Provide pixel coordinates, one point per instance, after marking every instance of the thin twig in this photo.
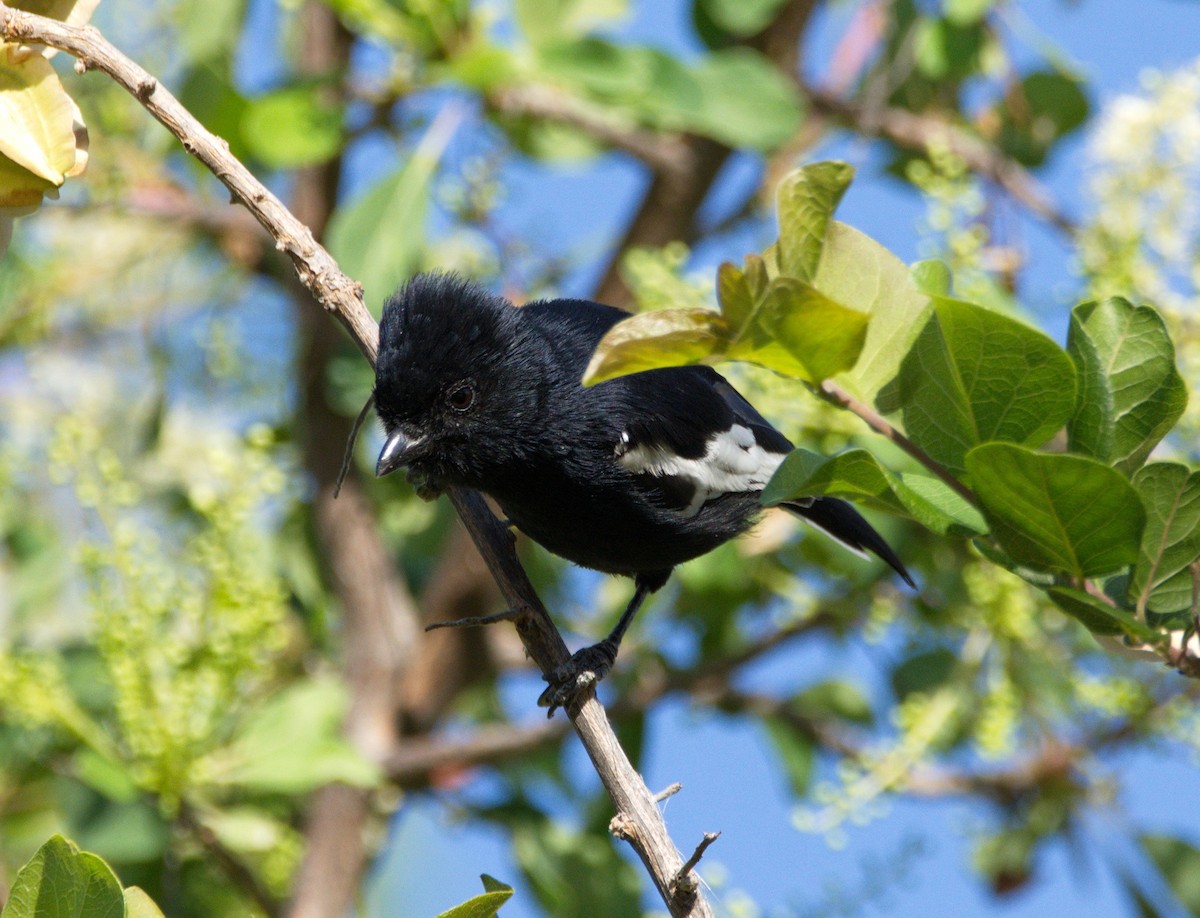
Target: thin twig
(669, 791)
(836, 395)
(239, 873)
(342, 296)
(684, 885)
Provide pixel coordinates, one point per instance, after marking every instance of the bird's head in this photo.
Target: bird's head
(454, 385)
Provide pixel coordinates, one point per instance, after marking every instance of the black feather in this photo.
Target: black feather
(631, 476)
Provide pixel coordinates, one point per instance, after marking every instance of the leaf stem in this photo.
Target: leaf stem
(836, 395)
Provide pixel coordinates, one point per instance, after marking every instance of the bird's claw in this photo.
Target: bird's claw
(583, 670)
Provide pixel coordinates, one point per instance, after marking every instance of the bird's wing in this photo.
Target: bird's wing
(690, 437)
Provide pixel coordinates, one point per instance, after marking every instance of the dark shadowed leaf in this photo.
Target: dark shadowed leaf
(1068, 514)
(1099, 617)
(796, 753)
(1130, 393)
(833, 698)
(806, 200)
(1162, 578)
(924, 671)
(856, 475)
(973, 376)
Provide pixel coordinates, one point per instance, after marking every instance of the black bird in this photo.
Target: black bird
(630, 476)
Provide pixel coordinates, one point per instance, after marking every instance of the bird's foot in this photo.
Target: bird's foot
(583, 670)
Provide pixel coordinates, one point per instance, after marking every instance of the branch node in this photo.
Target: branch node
(145, 89)
(623, 827)
(81, 66)
(684, 885)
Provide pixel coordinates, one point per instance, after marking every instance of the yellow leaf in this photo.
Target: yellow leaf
(37, 118)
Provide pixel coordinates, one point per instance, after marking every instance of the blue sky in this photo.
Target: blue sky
(433, 862)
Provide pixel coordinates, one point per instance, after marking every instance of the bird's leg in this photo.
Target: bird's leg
(588, 666)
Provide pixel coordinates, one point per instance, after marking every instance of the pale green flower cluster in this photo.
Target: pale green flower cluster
(1145, 154)
(200, 589)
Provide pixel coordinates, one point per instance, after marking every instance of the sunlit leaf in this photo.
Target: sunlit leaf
(293, 744)
(931, 277)
(973, 376)
(800, 332)
(543, 21)
(292, 127)
(37, 119)
(1130, 393)
(1056, 512)
(861, 274)
(1162, 579)
(140, 905)
(664, 338)
(806, 199)
(63, 882)
(744, 101)
(378, 237)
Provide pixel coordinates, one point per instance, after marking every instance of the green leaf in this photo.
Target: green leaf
(37, 119)
(738, 18)
(292, 127)
(1035, 115)
(744, 101)
(1068, 514)
(1162, 579)
(974, 376)
(1130, 394)
(378, 237)
(800, 332)
(861, 274)
(1099, 617)
(856, 475)
(1179, 863)
(665, 338)
(806, 199)
(293, 744)
(544, 21)
(833, 698)
(796, 753)
(63, 882)
(932, 277)
(485, 905)
(924, 671)
(140, 905)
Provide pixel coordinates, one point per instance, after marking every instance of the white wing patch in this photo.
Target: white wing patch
(733, 462)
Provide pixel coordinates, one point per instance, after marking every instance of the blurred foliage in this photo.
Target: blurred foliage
(166, 627)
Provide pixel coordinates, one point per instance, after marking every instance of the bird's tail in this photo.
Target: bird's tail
(841, 522)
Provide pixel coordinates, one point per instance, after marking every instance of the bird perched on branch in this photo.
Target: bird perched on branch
(631, 476)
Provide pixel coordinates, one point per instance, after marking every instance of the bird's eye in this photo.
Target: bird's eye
(461, 397)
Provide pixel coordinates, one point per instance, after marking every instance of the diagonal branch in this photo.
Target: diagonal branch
(919, 132)
(342, 297)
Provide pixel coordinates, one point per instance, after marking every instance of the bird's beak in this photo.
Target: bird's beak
(394, 454)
